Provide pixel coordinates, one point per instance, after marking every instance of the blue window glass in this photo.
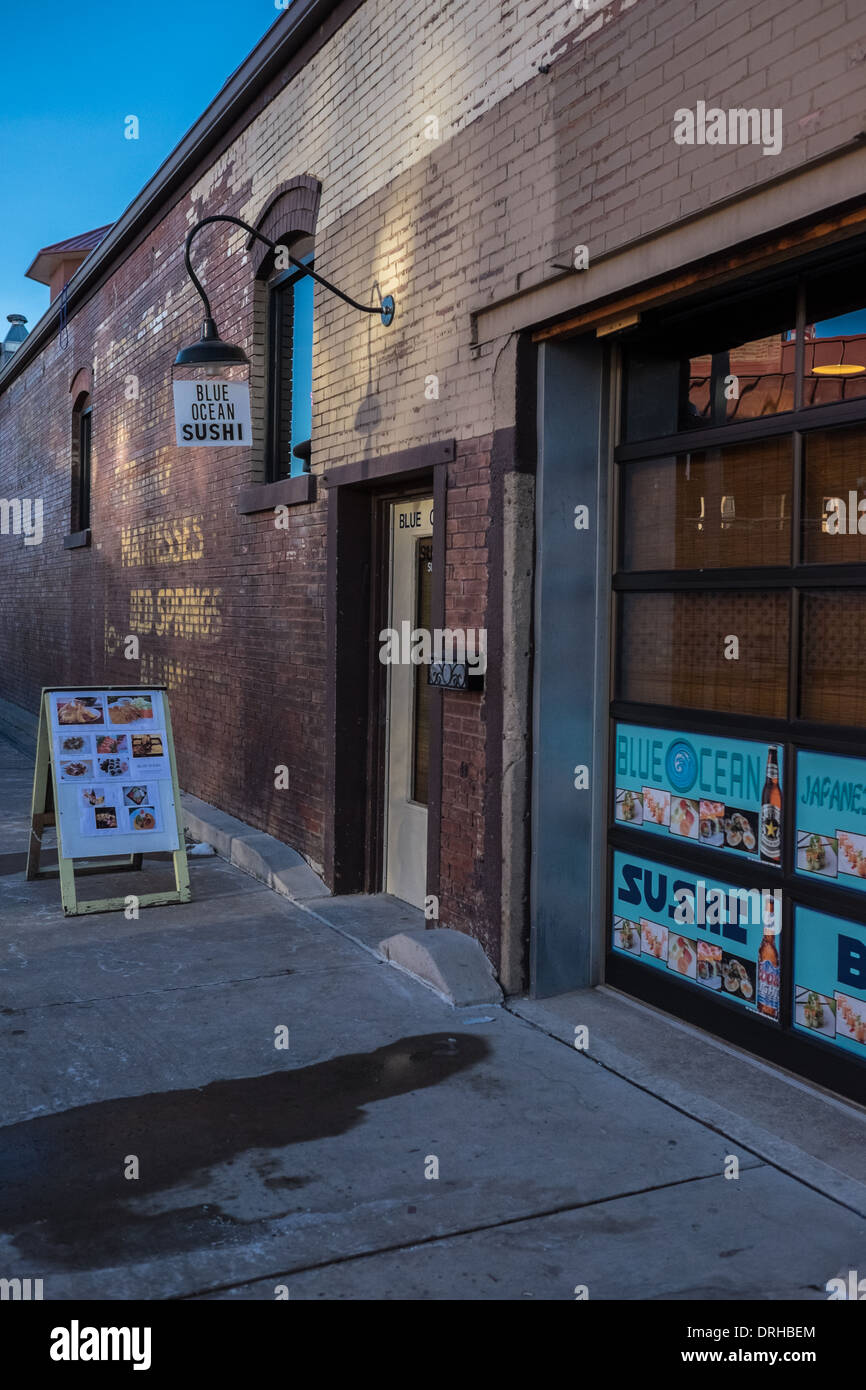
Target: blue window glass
(302, 367)
(290, 372)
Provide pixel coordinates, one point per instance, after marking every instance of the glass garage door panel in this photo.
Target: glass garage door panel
(832, 656)
(672, 651)
(717, 508)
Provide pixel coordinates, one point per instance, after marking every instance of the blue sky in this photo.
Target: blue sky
(70, 75)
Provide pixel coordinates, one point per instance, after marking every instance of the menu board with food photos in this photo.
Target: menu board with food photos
(113, 772)
(830, 979)
(721, 793)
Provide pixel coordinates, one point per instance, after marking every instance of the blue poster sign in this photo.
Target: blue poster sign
(702, 930)
(830, 979)
(722, 793)
(831, 818)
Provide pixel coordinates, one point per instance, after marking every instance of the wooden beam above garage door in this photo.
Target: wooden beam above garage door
(625, 311)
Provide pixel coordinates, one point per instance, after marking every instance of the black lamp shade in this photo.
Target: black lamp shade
(211, 351)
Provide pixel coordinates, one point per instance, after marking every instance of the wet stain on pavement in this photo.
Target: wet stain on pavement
(63, 1195)
(279, 1184)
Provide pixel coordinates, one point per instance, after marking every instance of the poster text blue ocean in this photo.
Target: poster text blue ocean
(727, 769)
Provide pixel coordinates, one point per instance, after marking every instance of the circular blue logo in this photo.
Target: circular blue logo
(681, 765)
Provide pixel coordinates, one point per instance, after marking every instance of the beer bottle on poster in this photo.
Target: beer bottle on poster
(771, 812)
(769, 978)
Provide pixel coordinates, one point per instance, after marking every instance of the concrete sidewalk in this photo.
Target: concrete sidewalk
(399, 1148)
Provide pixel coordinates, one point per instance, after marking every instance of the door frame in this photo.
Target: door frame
(355, 709)
(383, 502)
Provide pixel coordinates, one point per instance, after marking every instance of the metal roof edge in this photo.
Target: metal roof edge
(286, 35)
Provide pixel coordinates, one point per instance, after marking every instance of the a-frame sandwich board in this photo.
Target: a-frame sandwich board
(45, 812)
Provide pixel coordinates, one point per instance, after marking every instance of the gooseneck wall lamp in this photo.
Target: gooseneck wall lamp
(210, 351)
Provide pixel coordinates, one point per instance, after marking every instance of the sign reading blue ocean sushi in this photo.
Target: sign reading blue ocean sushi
(209, 414)
(722, 793)
(712, 933)
(830, 979)
(831, 818)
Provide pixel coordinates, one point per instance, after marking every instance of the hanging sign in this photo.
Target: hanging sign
(110, 756)
(721, 793)
(831, 818)
(209, 414)
(830, 979)
(711, 933)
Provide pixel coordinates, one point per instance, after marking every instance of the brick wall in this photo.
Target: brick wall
(465, 898)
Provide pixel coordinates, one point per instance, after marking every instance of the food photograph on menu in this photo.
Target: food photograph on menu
(817, 854)
(129, 709)
(682, 955)
(72, 770)
(815, 1011)
(108, 743)
(626, 935)
(79, 709)
(629, 806)
(147, 746)
(75, 743)
(851, 1019)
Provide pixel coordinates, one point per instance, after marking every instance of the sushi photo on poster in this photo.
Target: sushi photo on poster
(721, 793)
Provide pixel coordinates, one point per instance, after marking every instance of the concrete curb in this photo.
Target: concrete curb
(450, 962)
(264, 857)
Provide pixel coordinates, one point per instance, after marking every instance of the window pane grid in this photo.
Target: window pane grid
(800, 647)
(716, 508)
(673, 650)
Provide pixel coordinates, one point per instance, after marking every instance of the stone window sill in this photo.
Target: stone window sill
(76, 540)
(287, 492)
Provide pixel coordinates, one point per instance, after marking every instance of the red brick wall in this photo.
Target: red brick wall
(467, 881)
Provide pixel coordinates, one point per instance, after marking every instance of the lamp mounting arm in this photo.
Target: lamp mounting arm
(385, 309)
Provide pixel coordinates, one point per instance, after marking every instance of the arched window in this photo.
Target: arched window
(81, 437)
(289, 368)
